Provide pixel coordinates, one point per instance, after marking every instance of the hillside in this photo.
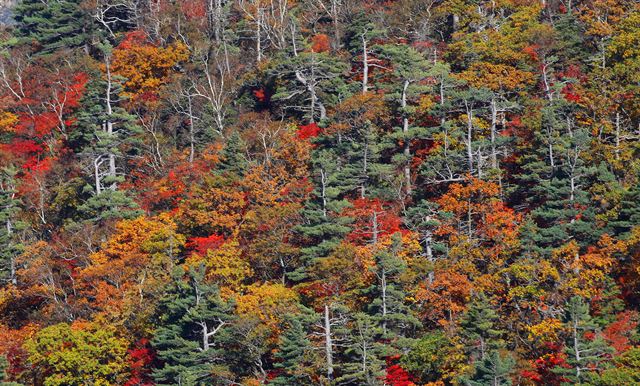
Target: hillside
(320, 192)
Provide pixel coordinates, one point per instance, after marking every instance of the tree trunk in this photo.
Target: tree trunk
(494, 118)
(365, 65)
(383, 283)
(327, 342)
(407, 141)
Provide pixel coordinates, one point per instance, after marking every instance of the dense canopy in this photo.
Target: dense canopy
(320, 192)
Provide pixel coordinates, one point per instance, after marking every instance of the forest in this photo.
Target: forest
(320, 192)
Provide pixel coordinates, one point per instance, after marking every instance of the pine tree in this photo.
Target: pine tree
(586, 349)
(629, 215)
(364, 355)
(395, 318)
(410, 67)
(106, 138)
(53, 25)
(557, 181)
(10, 246)
(308, 83)
(448, 160)
(193, 328)
(493, 370)
(233, 159)
(294, 353)
(363, 164)
(479, 328)
(323, 227)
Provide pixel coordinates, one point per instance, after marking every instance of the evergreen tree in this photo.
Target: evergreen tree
(323, 227)
(10, 246)
(193, 328)
(448, 160)
(364, 355)
(233, 159)
(364, 170)
(410, 67)
(557, 180)
(493, 370)
(586, 349)
(629, 215)
(53, 25)
(308, 83)
(106, 138)
(395, 318)
(294, 353)
(479, 327)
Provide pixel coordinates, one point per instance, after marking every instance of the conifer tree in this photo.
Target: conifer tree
(364, 354)
(193, 328)
(479, 328)
(10, 246)
(585, 348)
(233, 159)
(53, 24)
(323, 226)
(410, 67)
(308, 83)
(395, 319)
(558, 179)
(106, 138)
(629, 215)
(294, 353)
(493, 370)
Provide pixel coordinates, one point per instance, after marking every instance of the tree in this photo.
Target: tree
(295, 353)
(389, 308)
(144, 67)
(359, 138)
(9, 209)
(435, 357)
(586, 350)
(364, 364)
(194, 325)
(409, 68)
(479, 328)
(107, 134)
(626, 370)
(53, 25)
(629, 215)
(324, 226)
(492, 370)
(77, 354)
(126, 277)
(307, 84)
(3, 375)
(233, 159)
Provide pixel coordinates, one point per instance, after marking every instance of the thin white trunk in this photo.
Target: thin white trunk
(328, 345)
(365, 65)
(407, 142)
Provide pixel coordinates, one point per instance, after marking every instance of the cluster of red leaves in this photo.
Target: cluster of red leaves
(201, 245)
(397, 376)
(194, 10)
(260, 95)
(542, 373)
(618, 333)
(372, 217)
(133, 39)
(311, 130)
(141, 358)
(37, 123)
